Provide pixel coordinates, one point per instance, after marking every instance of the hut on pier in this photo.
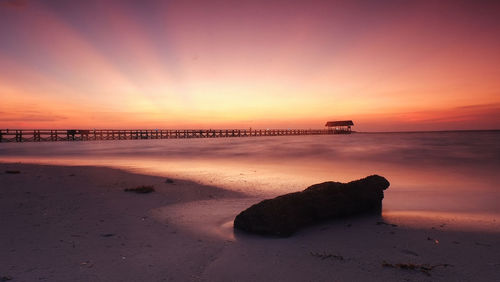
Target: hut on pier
(339, 126)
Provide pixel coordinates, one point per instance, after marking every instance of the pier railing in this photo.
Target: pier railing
(43, 135)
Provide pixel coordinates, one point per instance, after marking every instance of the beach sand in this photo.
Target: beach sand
(71, 223)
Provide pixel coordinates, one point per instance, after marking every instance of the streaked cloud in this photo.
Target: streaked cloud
(250, 63)
(18, 4)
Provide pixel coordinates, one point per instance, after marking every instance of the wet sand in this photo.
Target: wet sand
(70, 223)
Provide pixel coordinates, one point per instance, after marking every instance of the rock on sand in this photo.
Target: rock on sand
(284, 215)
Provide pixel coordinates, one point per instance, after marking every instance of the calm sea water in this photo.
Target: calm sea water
(435, 171)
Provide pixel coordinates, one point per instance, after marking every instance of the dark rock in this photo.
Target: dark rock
(284, 215)
(12, 171)
(168, 180)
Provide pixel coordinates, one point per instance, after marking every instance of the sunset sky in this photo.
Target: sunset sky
(387, 65)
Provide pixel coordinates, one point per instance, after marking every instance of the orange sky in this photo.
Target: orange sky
(387, 65)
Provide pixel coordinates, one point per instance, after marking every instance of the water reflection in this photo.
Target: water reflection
(458, 221)
(448, 172)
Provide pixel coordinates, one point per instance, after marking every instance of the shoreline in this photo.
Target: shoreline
(62, 223)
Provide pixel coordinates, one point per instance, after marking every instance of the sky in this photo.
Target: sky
(386, 65)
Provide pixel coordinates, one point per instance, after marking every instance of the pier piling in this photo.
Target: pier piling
(48, 135)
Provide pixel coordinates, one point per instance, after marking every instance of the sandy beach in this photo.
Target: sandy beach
(76, 223)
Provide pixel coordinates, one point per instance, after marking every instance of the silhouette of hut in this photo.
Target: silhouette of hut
(340, 126)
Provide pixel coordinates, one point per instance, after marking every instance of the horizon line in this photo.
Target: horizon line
(249, 128)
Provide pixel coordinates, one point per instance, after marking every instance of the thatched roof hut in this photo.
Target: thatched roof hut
(339, 126)
(339, 123)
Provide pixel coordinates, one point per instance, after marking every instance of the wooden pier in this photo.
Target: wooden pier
(45, 135)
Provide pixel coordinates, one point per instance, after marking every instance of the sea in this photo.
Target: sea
(453, 172)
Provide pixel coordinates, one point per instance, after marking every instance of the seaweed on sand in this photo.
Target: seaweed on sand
(144, 189)
(424, 268)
